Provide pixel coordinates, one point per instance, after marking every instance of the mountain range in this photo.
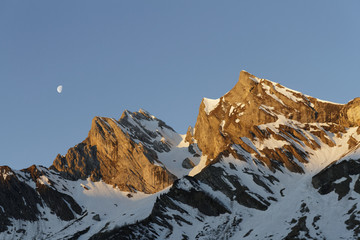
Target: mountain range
(262, 162)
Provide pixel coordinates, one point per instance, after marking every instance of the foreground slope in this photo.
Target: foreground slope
(262, 162)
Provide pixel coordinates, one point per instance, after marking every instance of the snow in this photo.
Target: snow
(288, 93)
(268, 92)
(6, 174)
(114, 207)
(222, 124)
(232, 108)
(353, 155)
(210, 104)
(270, 143)
(44, 180)
(217, 195)
(100, 199)
(184, 184)
(267, 110)
(296, 189)
(291, 192)
(173, 159)
(255, 79)
(249, 143)
(340, 180)
(318, 158)
(324, 101)
(199, 166)
(118, 208)
(143, 111)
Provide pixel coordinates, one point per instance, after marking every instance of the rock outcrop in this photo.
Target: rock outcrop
(350, 113)
(122, 153)
(20, 201)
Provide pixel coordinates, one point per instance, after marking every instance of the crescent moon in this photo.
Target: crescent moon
(59, 88)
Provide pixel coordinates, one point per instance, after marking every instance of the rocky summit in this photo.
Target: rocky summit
(262, 162)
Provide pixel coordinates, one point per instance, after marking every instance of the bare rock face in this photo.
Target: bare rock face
(329, 179)
(20, 201)
(255, 102)
(12, 192)
(80, 162)
(190, 135)
(121, 153)
(187, 163)
(351, 113)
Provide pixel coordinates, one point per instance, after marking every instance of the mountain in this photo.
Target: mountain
(262, 162)
(123, 153)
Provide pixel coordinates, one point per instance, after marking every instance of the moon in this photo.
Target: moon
(59, 88)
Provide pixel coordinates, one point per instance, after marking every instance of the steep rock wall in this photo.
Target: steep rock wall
(111, 154)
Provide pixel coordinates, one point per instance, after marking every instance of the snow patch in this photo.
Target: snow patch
(289, 93)
(340, 180)
(268, 110)
(184, 184)
(255, 79)
(6, 174)
(222, 124)
(324, 101)
(268, 92)
(232, 108)
(210, 104)
(199, 167)
(44, 180)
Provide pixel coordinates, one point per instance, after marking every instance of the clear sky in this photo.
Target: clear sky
(163, 56)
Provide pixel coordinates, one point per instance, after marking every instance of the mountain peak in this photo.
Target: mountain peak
(254, 102)
(245, 84)
(123, 153)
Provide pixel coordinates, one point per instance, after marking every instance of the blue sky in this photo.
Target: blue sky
(163, 56)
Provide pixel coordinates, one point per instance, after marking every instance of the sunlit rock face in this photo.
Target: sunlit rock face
(255, 102)
(351, 113)
(121, 153)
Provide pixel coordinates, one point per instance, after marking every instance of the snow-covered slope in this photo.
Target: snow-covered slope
(101, 207)
(234, 198)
